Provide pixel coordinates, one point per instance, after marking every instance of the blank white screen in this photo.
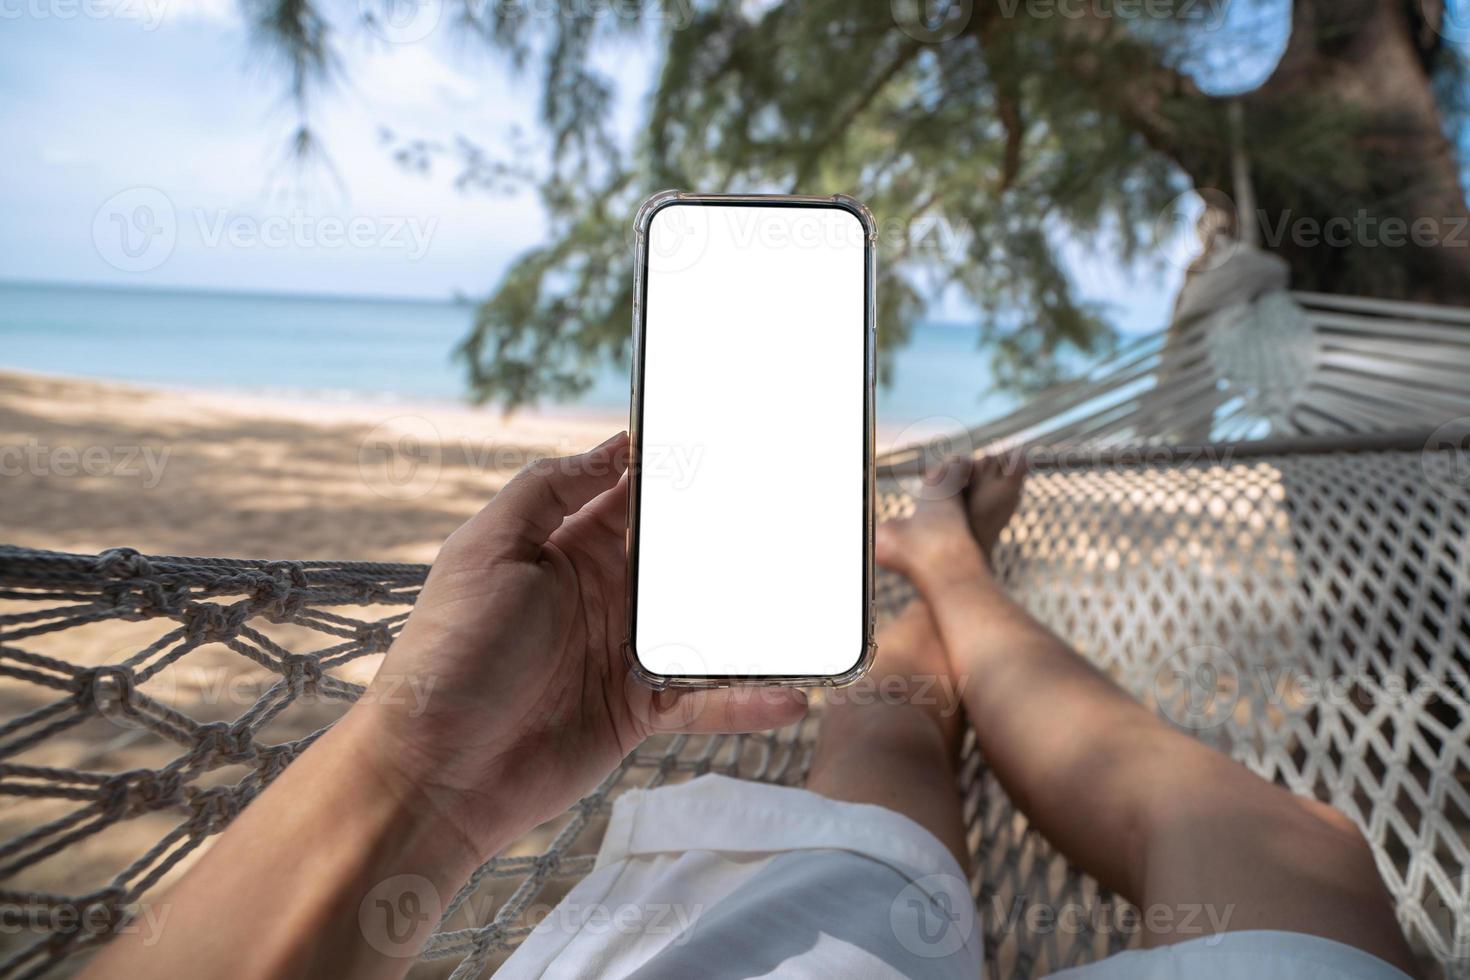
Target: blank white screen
(750, 551)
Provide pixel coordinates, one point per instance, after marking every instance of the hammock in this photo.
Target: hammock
(1291, 588)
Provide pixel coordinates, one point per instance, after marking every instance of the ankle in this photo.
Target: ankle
(961, 571)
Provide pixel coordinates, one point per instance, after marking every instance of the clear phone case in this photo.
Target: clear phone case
(642, 223)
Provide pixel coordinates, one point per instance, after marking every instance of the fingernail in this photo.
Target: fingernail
(615, 437)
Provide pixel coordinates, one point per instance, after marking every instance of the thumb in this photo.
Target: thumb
(731, 710)
(518, 520)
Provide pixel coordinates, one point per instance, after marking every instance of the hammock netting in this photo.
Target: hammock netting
(1290, 586)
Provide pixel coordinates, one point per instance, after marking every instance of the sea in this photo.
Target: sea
(342, 348)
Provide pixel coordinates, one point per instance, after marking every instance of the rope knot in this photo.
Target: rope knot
(372, 594)
(159, 601)
(226, 743)
(108, 688)
(139, 791)
(272, 760)
(122, 563)
(281, 593)
(208, 622)
(301, 672)
(214, 807)
(374, 637)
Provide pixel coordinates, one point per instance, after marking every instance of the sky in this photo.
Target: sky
(163, 104)
(147, 146)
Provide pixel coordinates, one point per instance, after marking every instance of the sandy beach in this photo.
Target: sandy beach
(89, 465)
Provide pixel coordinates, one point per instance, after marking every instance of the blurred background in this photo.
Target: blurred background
(310, 279)
(287, 225)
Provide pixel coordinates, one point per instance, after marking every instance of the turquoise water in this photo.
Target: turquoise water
(339, 347)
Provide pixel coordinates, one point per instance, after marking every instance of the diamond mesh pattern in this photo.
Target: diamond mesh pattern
(1307, 613)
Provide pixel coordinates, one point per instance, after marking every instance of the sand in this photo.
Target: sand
(89, 465)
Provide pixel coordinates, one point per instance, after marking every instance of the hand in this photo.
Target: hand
(518, 636)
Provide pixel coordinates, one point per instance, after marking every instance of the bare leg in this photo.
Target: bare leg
(1153, 814)
(892, 738)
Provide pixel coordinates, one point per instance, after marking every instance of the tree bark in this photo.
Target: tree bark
(1348, 226)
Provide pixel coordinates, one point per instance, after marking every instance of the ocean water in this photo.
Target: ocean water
(344, 347)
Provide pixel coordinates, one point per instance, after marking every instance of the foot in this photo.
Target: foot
(911, 671)
(960, 509)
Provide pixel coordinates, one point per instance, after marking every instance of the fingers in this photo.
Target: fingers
(598, 530)
(608, 512)
(517, 522)
(732, 710)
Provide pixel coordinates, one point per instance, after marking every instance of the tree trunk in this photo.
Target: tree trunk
(1390, 220)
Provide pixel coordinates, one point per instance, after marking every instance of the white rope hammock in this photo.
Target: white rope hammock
(1305, 551)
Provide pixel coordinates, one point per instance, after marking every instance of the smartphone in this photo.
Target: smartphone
(750, 510)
